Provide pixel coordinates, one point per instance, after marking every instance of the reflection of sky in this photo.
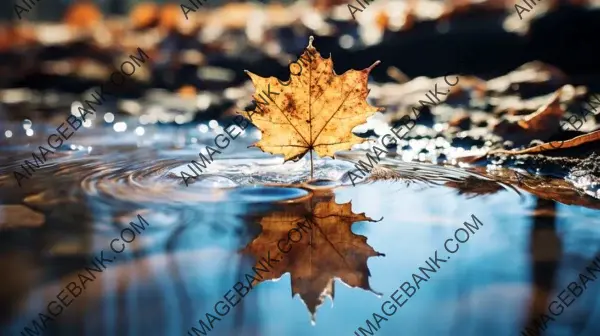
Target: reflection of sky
(482, 290)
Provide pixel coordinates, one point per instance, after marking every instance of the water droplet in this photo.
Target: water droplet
(202, 128)
(75, 108)
(109, 117)
(27, 124)
(120, 127)
(179, 119)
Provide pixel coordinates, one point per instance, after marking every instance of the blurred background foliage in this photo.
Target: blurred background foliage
(53, 10)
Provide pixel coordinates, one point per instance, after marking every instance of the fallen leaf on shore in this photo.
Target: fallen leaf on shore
(144, 15)
(541, 124)
(315, 111)
(576, 141)
(545, 147)
(546, 117)
(83, 15)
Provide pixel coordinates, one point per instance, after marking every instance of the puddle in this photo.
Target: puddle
(350, 248)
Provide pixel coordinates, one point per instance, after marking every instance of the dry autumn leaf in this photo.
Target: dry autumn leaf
(547, 117)
(315, 111)
(322, 247)
(541, 124)
(576, 141)
(545, 147)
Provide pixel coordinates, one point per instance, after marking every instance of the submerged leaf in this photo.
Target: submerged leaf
(315, 110)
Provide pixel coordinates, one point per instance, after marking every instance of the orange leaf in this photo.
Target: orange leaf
(546, 117)
(315, 110)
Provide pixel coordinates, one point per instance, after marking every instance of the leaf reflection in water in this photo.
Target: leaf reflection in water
(320, 249)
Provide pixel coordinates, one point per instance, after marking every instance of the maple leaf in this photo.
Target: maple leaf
(321, 247)
(315, 111)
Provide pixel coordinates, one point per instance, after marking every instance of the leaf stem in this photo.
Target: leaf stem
(311, 165)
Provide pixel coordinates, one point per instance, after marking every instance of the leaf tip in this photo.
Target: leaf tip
(310, 41)
(373, 65)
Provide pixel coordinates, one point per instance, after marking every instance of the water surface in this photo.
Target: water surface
(364, 242)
